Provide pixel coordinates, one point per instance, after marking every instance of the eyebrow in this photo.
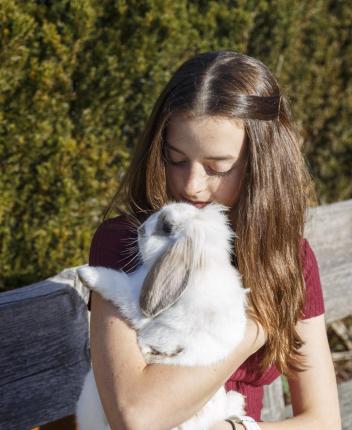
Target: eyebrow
(220, 158)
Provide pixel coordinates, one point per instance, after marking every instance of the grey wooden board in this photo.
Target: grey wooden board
(44, 353)
(329, 232)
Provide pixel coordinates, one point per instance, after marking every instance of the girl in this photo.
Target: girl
(221, 131)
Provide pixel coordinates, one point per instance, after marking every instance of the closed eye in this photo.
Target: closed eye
(216, 173)
(212, 171)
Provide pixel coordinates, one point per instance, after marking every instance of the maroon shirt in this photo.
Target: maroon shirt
(111, 248)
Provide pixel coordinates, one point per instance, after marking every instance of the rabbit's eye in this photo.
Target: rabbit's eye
(166, 227)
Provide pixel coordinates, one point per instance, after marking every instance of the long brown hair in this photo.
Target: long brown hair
(269, 216)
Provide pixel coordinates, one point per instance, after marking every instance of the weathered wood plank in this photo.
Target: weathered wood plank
(329, 232)
(44, 353)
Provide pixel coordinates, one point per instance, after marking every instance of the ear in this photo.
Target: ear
(167, 279)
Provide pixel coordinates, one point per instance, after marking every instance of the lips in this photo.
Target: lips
(197, 204)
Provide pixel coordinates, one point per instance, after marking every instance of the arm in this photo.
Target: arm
(314, 392)
(139, 396)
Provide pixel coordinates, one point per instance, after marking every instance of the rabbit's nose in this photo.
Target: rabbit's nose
(164, 226)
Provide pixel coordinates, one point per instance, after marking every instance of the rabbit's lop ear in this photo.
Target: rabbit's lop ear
(167, 279)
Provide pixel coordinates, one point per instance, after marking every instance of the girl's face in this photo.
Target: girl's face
(206, 159)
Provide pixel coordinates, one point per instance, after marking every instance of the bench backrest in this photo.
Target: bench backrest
(44, 351)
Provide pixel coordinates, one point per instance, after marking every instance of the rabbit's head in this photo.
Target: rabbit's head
(176, 241)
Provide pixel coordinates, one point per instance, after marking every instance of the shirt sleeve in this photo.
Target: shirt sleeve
(314, 304)
(113, 246)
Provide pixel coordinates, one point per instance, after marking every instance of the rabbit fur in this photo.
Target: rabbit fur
(185, 301)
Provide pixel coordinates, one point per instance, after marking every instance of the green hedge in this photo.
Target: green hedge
(77, 82)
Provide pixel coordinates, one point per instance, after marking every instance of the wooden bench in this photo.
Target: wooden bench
(44, 328)
(329, 231)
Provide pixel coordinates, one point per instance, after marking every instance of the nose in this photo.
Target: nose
(195, 181)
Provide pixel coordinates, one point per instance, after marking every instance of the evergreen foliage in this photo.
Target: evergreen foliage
(78, 79)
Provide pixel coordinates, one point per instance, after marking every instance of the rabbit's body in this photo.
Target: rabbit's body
(198, 326)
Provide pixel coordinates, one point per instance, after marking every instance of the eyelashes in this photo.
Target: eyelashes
(212, 172)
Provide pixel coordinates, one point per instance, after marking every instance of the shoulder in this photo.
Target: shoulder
(113, 242)
(314, 303)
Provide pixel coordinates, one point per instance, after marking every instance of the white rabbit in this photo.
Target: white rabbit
(185, 301)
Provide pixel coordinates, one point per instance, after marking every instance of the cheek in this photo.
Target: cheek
(172, 181)
(228, 189)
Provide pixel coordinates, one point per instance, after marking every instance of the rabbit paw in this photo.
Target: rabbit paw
(88, 276)
(152, 354)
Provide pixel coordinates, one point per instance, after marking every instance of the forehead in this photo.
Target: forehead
(206, 135)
